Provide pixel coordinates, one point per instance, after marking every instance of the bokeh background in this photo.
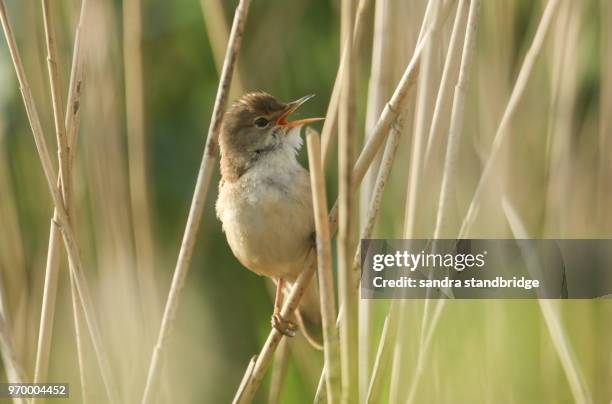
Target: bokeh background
(555, 168)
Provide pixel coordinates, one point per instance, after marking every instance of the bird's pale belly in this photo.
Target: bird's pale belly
(268, 230)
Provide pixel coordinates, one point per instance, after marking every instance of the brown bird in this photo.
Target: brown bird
(265, 202)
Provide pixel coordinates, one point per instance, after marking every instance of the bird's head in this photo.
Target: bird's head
(256, 124)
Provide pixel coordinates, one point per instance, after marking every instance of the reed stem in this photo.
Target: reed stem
(196, 210)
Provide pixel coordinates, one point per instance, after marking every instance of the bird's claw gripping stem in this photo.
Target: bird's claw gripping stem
(284, 326)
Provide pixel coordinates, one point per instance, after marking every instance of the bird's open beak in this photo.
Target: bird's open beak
(291, 108)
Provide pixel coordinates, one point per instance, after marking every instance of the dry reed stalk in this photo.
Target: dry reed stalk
(75, 88)
(325, 269)
(207, 167)
(503, 128)
(63, 221)
(560, 132)
(69, 127)
(391, 111)
(422, 113)
(454, 134)
(449, 177)
(137, 163)
(517, 92)
(389, 331)
(279, 372)
(456, 123)
(379, 86)
(384, 355)
(56, 92)
(218, 36)
(551, 312)
(457, 37)
(81, 345)
(346, 148)
(330, 124)
(255, 372)
(422, 355)
(384, 349)
(378, 190)
(448, 74)
(47, 312)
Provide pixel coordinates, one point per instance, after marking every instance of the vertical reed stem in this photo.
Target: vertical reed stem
(199, 197)
(503, 128)
(325, 271)
(346, 146)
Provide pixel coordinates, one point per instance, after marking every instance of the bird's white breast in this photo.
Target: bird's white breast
(267, 213)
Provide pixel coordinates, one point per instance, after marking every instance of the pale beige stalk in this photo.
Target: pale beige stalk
(279, 372)
(449, 178)
(346, 149)
(207, 166)
(325, 269)
(384, 355)
(379, 87)
(440, 109)
(69, 129)
(62, 218)
(425, 89)
(517, 92)
(330, 124)
(448, 74)
(503, 128)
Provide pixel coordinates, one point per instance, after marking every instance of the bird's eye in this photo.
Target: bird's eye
(261, 122)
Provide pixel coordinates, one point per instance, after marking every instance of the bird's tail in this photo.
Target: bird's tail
(309, 315)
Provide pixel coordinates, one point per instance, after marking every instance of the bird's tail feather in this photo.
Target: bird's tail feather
(309, 315)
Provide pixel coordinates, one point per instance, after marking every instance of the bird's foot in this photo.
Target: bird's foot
(284, 326)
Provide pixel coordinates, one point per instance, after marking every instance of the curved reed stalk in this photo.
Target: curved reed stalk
(199, 196)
